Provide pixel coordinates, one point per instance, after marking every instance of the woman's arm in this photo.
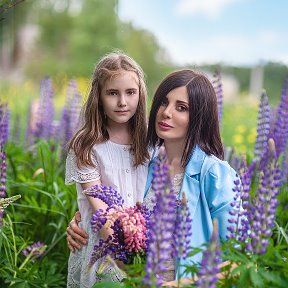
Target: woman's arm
(76, 236)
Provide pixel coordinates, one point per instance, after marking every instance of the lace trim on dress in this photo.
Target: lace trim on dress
(74, 174)
(177, 182)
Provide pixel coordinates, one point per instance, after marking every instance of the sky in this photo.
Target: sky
(234, 32)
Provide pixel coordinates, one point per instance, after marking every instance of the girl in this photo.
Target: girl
(108, 149)
(184, 118)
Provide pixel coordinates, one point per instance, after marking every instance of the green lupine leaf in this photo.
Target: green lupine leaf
(255, 277)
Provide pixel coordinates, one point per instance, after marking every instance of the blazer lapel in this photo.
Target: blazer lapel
(191, 179)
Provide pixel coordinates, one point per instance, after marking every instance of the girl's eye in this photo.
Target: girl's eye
(112, 93)
(131, 92)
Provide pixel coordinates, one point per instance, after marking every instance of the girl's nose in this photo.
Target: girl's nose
(122, 101)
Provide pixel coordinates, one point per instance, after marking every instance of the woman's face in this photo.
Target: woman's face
(172, 118)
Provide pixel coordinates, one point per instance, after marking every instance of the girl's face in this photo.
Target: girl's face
(120, 97)
(172, 118)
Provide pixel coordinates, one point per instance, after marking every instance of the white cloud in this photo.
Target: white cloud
(231, 49)
(210, 8)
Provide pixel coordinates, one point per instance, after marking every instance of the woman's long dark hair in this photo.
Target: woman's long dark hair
(203, 128)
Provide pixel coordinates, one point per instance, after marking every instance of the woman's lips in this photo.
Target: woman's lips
(164, 126)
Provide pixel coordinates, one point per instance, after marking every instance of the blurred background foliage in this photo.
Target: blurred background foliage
(64, 39)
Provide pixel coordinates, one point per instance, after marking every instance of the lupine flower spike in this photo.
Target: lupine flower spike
(183, 229)
(162, 223)
(239, 225)
(34, 251)
(210, 262)
(217, 84)
(280, 132)
(263, 127)
(45, 111)
(70, 113)
(261, 212)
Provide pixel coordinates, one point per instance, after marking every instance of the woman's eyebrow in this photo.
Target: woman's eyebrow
(182, 102)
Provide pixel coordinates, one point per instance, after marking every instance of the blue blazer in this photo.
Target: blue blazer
(207, 183)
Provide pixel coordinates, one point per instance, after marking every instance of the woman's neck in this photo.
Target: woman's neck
(119, 133)
(174, 152)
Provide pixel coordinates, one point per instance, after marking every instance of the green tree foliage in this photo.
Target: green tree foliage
(6, 5)
(143, 46)
(94, 34)
(71, 43)
(274, 76)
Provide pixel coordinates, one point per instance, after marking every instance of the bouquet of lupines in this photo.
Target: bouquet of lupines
(129, 225)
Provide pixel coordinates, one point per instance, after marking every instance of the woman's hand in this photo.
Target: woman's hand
(76, 237)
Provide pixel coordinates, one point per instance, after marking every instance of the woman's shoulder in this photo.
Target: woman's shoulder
(208, 163)
(216, 167)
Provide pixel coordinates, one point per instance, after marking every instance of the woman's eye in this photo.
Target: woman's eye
(112, 93)
(182, 108)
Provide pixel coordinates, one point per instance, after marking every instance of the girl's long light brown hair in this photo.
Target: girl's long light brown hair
(93, 129)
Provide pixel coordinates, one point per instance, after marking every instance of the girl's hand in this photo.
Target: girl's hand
(76, 237)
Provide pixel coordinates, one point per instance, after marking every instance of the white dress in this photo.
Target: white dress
(114, 167)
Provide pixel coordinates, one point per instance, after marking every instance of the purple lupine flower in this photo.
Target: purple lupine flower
(210, 262)
(217, 84)
(105, 193)
(162, 223)
(3, 169)
(34, 251)
(261, 212)
(4, 123)
(235, 162)
(70, 113)
(284, 176)
(239, 213)
(45, 111)
(263, 127)
(280, 131)
(183, 230)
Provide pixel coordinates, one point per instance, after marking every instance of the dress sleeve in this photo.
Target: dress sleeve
(219, 182)
(80, 175)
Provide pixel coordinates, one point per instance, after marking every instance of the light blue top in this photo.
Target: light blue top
(207, 183)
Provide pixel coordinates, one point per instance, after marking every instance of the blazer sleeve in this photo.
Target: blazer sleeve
(218, 189)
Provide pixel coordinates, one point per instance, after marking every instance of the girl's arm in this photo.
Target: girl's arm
(96, 204)
(76, 236)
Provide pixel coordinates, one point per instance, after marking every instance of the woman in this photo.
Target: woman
(184, 118)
